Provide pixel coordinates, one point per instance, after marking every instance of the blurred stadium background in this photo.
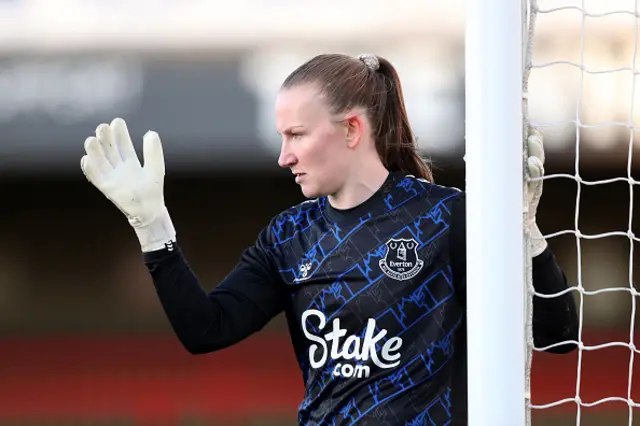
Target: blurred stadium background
(83, 339)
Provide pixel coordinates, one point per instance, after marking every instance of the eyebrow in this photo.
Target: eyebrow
(289, 130)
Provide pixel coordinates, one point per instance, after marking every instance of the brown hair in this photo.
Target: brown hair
(370, 82)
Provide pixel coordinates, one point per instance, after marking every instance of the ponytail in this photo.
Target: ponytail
(395, 141)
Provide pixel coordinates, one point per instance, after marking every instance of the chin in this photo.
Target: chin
(313, 191)
(310, 192)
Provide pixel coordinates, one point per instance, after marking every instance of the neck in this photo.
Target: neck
(365, 181)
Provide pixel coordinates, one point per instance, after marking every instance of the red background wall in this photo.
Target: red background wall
(154, 381)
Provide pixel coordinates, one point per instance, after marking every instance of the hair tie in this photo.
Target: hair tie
(370, 60)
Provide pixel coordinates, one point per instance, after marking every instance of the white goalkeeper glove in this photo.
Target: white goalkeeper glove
(112, 166)
(535, 165)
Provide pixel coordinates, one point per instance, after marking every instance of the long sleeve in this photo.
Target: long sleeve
(555, 319)
(243, 303)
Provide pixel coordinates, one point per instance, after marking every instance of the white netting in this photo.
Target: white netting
(620, 19)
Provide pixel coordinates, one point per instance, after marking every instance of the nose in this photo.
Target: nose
(286, 159)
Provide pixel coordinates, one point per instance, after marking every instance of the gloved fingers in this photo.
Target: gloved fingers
(535, 144)
(123, 142)
(91, 170)
(535, 166)
(107, 141)
(94, 151)
(536, 171)
(84, 166)
(153, 154)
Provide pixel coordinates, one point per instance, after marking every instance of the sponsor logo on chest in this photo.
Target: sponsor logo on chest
(350, 353)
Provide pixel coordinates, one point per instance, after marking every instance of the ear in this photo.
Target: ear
(355, 127)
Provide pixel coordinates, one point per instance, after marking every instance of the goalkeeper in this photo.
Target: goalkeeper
(370, 271)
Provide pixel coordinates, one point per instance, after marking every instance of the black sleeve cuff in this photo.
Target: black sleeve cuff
(160, 255)
(548, 278)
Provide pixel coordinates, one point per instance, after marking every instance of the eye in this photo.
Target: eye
(296, 135)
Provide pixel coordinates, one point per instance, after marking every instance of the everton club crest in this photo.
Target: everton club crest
(401, 261)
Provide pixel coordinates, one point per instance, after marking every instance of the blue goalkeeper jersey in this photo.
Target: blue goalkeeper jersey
(375, 301)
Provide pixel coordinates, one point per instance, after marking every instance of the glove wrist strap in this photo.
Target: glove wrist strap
(538, 243)
(157, 235)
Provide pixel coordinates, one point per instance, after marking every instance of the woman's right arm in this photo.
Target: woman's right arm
(240, 305)
(243, 303)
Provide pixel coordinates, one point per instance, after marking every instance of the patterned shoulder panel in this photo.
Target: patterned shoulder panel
(293, 220)
(433, 192)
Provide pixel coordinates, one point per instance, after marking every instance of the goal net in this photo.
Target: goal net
(582, 54)
(586, 50)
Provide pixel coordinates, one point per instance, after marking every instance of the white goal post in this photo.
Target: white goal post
(496, 254)
(499, 56)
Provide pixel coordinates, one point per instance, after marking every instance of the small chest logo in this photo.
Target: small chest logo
(304, 270)
(401, 260)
